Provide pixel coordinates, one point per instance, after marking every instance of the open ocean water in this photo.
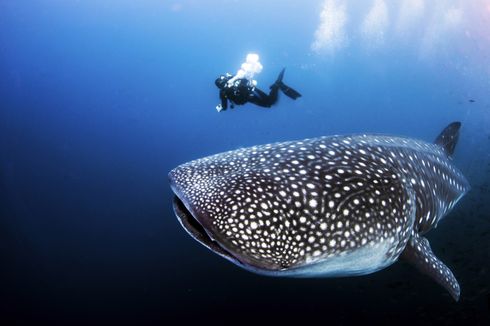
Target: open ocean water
(99, 100)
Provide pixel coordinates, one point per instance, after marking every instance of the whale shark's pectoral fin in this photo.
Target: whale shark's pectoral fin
(418, 253)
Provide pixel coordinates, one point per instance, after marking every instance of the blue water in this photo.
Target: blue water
(100, 99)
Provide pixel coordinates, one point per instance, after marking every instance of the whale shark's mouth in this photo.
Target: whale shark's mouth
(198, 232)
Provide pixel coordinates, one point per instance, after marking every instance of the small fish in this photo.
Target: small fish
(323, 207)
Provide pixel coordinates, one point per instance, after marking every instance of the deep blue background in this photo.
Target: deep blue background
(99, 100)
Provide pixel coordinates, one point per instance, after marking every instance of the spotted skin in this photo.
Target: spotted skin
(419, 253)
(328, 206)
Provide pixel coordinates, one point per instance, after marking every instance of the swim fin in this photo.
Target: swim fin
(281, 76)
(289, 92)
(278, 82)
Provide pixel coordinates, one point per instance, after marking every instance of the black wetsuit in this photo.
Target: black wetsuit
(243, 91)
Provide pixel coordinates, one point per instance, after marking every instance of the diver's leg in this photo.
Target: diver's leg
(260, 98)
(273, 94)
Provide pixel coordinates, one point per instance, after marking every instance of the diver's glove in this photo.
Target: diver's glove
(219, 107)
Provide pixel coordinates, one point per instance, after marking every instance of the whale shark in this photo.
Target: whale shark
(331, 206)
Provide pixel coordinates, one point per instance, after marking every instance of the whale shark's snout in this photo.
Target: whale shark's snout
(198, 202)
(193, 218)
(193, 225)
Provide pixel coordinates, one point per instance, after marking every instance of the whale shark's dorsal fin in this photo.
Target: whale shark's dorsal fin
(418, 253)
(448, 138)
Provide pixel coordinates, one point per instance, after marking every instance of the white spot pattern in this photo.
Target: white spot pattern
(320, 198)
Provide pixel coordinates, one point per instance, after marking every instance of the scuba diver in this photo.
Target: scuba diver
(241, 88)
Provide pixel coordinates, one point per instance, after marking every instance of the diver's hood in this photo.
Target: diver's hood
(221, 81)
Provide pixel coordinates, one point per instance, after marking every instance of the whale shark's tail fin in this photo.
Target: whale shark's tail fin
(448, 138)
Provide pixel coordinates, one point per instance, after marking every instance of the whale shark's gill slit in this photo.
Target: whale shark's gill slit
(348, 198)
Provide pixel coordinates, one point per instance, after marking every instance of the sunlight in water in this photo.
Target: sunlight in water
(330, 35)
(445, 22)
(437, 24)
(373, 28)
(411, 11)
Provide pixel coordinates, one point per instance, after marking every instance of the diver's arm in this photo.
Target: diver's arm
(224, 100)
